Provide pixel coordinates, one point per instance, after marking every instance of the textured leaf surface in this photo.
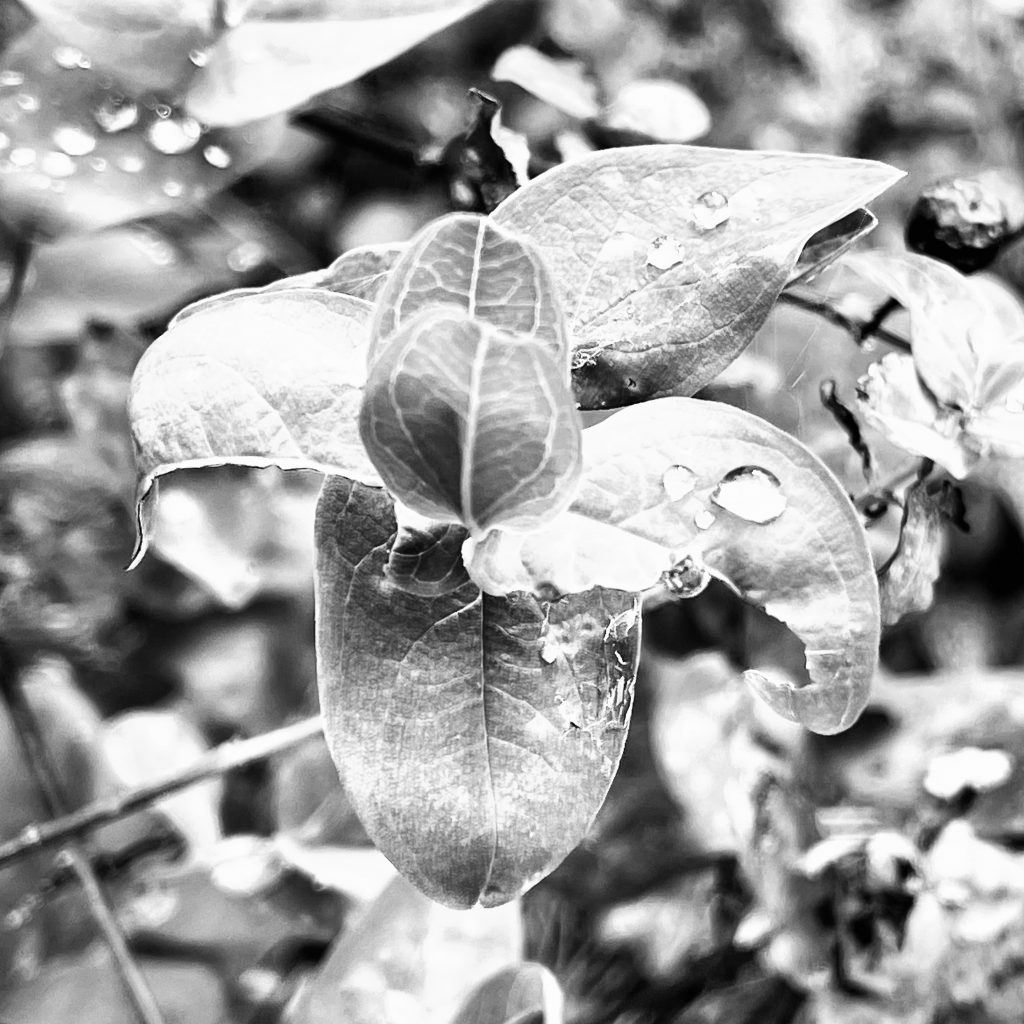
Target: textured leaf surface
(641, 332)
(810, 567)
(908, 578)
(476, 736)
(270, 379)
(517, 995)
(467, 422)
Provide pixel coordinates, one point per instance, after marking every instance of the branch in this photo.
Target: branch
(858, 330)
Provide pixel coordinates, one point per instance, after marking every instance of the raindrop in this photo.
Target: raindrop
(710, 210)
(27, 101)
(199, 57)
(246, 256)
(131, 163)
(679, 481)
(175, 135)
(57, 165)
(11, 78)
(75, 141)
(665, 252)
(703, 519)
(687, 578)
(31, 835)
(158, 249)
(97, 163)
(162, 110)
(116, 113)
(69, 57)
(549, 652)
(217, 156)
(752, 493)
(23, 156)
(173, 189)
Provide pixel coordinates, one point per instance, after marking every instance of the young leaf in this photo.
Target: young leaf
(268, 379)
(466, 261)
(476, 736)
(678, 479)
(738, 221)
(467, 422)
(525, 993)
(908, 578)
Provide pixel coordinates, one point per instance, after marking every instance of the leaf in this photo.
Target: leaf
(475, 736)
(270, 65)
(425, 557)
(908, 578)
(640, 332)
(360, 272)
(653, 494)
(560, 83)
(828, 244)
(469, 423)
(467, 261)
(658, 109)
(525, 993)
(270, 379)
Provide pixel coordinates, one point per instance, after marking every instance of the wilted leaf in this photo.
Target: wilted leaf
(281, 56)
(470, 423)
(271, 379)
(680, 479)
(476, 736)
(561, 83)
(659, 109)
(907, 580)
(641, 332)
(525, 994)
(828, 244)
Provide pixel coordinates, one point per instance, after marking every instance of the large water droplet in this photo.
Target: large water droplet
(679, 481)
(704, 519)
(116, 113)
(130, 163)
(69, 57)
(11, 78)
(22, 156)
(217, 156)
(57, 165)
(174, 135)
(665, 252)
(752, 493)
(687, 578)
(73, 139)
(27, 101)
(710, 210)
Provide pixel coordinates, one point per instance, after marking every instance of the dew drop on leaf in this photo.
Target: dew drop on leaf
(162, 110)
(5, 140)
(69, 57)
(687, 578)
(703, 519)
(116, 113)
(173, 189)
(27, 101)
(710, 210)
(74, 140)
(665, 252)
(246, 256)
(11, 78)
(23, 156)
(217, 156)
(97, 163)
(130, 163)
(174, 135)
(199, 57)
(678, 481)
(752, 493)
(57, 165)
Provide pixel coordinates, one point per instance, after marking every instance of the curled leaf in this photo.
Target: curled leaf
(425, 557)
(908, 578)
(522, 994)
(828, 244)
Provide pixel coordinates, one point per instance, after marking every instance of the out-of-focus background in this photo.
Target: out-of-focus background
(741, 869)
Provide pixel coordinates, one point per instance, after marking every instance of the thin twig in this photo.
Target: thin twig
(855, 328)
(71, 856)
(21, 257)
(219, 761)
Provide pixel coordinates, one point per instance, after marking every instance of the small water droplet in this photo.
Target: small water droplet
(549, 652)
(116, 113)
(199, 57)
(27, 101)
(162, 110)
(57, 165)
(687, 578)
(174, 189)
(130, 163)
(174, 135)
(217, 156)
(11, 78)
(710, 210)
(157, 248)
(69, 57)
(97, 163)
(31, 835)
(246, 256)
(151, 908)
(73, 139)
(703, 519)
(259, 984)
(665, 252)
(752, 493)
(679, 481)
(22, 156)
(5, 140)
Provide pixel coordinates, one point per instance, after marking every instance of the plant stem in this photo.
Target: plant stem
(855, 328)
(219, 761)
(21, 257)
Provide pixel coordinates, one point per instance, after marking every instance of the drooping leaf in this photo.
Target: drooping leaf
(658, 110)
(467, 261)
(470, 423)
(282, 55)
(560, 83)
(678, 479)
(270, 379)
(525, 994)
(476, 736)
(828, 244)
(740, 221)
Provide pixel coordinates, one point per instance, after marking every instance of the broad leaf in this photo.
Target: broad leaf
(525, 994)
(470, 423)
(476, 736)
(467, 261)
(683, 484)
(737, 222)
(270, 379)
(276, 60)
(908, 578)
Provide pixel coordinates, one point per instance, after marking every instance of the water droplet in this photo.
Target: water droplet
(130, 163)
(752, 493)
(5, 140)
(173, 189)
(199, 57)
(31, 835)
(150, 909)
(162, 110)
(665, 252)
(679, 481)
(217, 156)
(11, 78)
(259, 984)
(23, 156)
(246, 256)
(174, 135)
(97, 163)
(687, 578)
(57, 165)
(710, 210)
(69, 57)
(157, 248)
(703, 519)
(73, 139)
(27, 101)
(549, 651)
(116, 113)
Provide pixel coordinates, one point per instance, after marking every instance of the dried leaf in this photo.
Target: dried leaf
(907, 580)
